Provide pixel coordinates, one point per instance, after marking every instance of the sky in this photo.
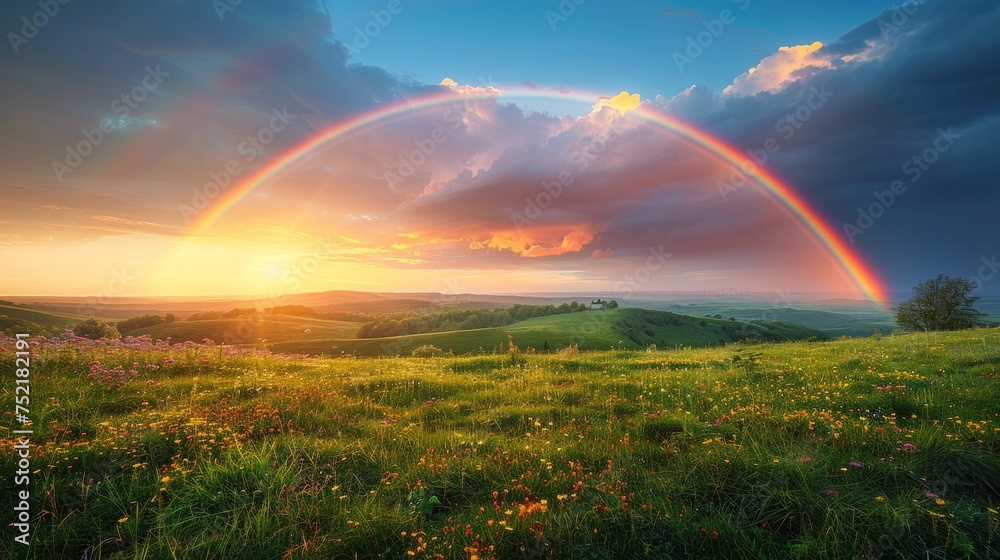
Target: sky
(157, 148)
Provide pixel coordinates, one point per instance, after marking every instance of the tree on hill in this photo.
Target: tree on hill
(17, 326)
(612, 304)
(939, 304)
(94, 330)
(135, 323)
(295, 310)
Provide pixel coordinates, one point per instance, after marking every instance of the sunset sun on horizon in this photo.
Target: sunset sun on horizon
(244, 150)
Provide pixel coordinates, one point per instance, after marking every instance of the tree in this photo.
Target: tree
(939, 304)
(428, 351)
(135, 323)
(611, 305)
(94, 329)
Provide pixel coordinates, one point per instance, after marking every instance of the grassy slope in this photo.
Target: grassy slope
(251, 329)
(44, 318)
(628, 328)
(681, 454)
(847, 321)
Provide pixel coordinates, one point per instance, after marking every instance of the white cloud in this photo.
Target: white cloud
(776, 70)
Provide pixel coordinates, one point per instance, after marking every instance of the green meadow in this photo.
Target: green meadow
(885, 447)
(592, 330)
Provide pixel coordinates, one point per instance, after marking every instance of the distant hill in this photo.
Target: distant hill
(329, 301)
(591, 330)
(854, 320)
(250, 329)
(35, 321)
(44, 318)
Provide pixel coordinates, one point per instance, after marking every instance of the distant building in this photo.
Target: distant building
(597, 304)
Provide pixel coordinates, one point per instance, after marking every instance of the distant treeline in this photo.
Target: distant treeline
(399, 324)
(292, 310)
(296, 310)
(136, 323)
(377, 325)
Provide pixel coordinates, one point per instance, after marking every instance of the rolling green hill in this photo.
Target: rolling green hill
(250, 329)
(835, 321)
(44, 318)
(592, 330)
(34, 321)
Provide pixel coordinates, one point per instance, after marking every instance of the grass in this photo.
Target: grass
(590, 330)
(251, 329)
(44, 318)
(873, 448)
(834, 319)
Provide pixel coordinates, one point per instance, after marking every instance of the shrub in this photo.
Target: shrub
(429, 351)
(96, 330)
(571, 350)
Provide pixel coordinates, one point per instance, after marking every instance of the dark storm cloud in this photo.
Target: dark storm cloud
(222, 73)
(898, 83)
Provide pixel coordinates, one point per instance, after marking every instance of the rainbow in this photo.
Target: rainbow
(862, 275)
(853, 266)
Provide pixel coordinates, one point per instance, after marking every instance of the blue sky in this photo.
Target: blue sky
(602, 46)
(199, 84)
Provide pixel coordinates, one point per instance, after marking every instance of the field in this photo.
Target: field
(873, 448)
(10, 315)
(251, 330)
(589, 330)
(835, 318)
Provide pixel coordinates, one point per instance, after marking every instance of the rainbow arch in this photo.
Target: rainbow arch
(847, 260)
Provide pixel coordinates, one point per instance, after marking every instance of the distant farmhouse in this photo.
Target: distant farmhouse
(601, 304)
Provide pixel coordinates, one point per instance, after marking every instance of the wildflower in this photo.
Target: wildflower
(930, 495)
(909, 447)
(856, 464)
(806, 460)
(831, 493)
